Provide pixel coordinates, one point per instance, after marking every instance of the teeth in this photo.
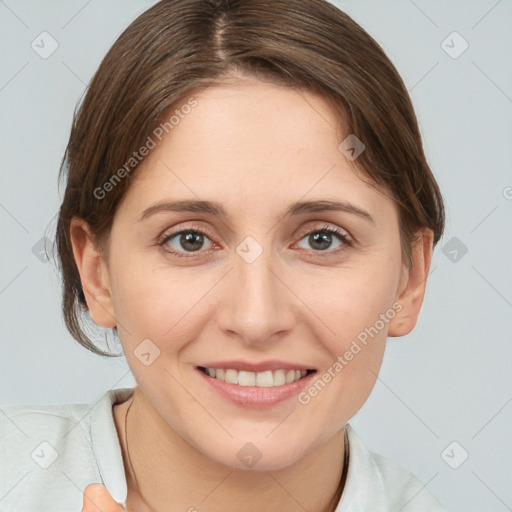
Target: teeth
(279, 377)
(231, 376)
(265, 379)
(246, 378)
(290, 376)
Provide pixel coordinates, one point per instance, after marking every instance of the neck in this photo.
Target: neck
(162, 468)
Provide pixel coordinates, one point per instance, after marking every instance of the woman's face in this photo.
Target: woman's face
(222, 255)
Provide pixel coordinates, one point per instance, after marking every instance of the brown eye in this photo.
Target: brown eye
(323, 239)
(186, 241)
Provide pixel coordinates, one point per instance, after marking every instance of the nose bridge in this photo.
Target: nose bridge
(257, 305)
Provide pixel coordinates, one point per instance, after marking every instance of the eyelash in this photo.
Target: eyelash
(344, 238)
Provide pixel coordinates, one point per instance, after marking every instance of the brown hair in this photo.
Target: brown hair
(180, 46)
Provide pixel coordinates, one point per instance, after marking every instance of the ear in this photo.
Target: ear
(94, 274)
(412, 285)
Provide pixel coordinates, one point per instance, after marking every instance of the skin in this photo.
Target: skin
(255, 148)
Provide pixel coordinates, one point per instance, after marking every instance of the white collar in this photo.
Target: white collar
(365, 486)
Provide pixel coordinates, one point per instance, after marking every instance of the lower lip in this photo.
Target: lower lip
(254, 396)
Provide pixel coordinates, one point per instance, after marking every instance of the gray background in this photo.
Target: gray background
(449, 380)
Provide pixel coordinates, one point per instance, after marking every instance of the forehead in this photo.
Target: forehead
(252, 144)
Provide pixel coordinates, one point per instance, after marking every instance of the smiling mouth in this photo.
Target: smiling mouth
(266, 379)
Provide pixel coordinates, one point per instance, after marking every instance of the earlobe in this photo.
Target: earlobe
(412, 285)
(94, 274)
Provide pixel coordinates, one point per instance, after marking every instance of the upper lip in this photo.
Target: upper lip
(261, 366)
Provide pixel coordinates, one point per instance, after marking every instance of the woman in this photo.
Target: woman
(249, 209)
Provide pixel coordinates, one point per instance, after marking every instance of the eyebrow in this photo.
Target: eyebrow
(217, 210)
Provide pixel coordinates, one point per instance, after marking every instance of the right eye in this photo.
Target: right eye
(185, 241)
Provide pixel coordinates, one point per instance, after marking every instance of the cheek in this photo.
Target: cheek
(157, 301)
(352, 301)
(357, 306)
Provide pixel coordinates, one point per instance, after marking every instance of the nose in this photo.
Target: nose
(258, 305)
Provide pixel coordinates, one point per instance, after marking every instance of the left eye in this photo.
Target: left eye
(322, 239)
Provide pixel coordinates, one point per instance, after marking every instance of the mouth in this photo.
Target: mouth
(263, 379)
(255, 386)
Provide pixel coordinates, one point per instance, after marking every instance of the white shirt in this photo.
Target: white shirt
(50, 453)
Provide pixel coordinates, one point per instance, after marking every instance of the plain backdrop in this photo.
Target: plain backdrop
(442, 404)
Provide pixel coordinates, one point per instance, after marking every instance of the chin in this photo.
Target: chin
(258, 455)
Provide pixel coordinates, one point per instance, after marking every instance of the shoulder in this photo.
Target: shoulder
(375, 483)
(50, 451)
